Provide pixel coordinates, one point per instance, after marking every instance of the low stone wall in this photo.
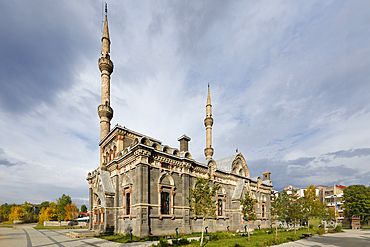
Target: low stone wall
(57, 223)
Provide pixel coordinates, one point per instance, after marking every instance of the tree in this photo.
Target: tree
(71, 211)
(27, 209)
(61, 203)
(295, 209)
(54, 211)
(15, 213)
(290, 207)
(201, 201)
(248, 210)
(5, 211)
(311, 206)
(357, 202)
(46, 214)
(44, 204)
(276, 209)
(83, 208)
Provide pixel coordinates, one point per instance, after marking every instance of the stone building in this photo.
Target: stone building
(142, 184)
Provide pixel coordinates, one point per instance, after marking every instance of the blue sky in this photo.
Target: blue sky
(289, 86)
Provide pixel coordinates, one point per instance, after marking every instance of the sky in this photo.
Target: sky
(289, 81)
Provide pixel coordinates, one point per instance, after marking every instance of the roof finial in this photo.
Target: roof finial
(106, 9)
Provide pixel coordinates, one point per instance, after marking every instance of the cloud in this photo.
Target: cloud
(289, 87)
(351, 153)
(6, 162)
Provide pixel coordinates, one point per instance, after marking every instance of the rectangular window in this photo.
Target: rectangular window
(263, 210)
(165, 203)
(165, 165)
(219, 207)
(128, 203)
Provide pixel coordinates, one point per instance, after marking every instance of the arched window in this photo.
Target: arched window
(127, 196)
(219, 207)
(165, 203)
(128, 203)
(166, 192)
(221, 202)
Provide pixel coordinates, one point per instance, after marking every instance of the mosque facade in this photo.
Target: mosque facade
(142, 185)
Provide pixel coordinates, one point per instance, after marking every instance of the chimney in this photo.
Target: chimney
(184, 143)
(266, 176)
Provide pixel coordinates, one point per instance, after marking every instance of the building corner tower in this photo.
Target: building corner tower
(106, 67)
(208, 122)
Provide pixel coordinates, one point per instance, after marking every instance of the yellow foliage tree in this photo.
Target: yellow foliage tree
(46, 214)
(15, 213)
(71, 211)
(54, 211)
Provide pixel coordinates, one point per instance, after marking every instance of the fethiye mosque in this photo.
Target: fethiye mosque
(142, 184)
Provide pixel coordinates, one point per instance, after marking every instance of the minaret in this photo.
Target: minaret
(106, 67)
(208, 122)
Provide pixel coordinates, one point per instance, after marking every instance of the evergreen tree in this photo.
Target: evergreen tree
(357, 202)
(83, 208)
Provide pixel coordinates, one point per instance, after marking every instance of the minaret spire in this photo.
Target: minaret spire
(106, 67)
(208, 122)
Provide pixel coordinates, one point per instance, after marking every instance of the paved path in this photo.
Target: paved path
(25, 236)
(357, 238)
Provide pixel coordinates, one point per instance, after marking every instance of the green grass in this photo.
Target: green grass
(259, 238)
(7, 226)
(264, 237)
(58, 227)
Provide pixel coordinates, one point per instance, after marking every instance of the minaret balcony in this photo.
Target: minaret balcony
(208, 121)
(105, 111)
(105, 64)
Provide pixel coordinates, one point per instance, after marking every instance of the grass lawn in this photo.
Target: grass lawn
(258, 238)
(59, 227)
(265, 237)
(6, 226)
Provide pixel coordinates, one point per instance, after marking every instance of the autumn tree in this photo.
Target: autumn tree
(71, 211)
(46, 214)
(311, 206)
(357, 202)
(27, 209)
(54, 211)
(61, 203)
(201, 201)
(248, 210)
(5, 211)
(16, 213)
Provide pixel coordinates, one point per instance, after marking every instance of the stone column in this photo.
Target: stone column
(91, 213)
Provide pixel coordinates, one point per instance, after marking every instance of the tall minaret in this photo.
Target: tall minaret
(208, 122)
(106, 67)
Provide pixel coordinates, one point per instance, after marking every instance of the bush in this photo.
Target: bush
(320, 231)
(338, 228)
(238, 245)
(179, 242)
(163, 243)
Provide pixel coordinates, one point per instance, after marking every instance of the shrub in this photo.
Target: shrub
(179, 242)
(238, 245)
(338, 228)
(320, 231)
